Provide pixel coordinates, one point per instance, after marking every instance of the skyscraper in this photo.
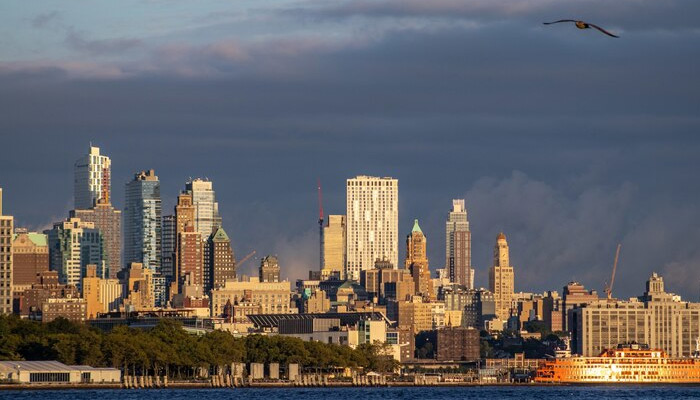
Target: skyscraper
(458, 246)
(206, 214)
(6, 229)
(142, 221)
(372, 223)
(219, 264)
(334, 246)
(73, 244)
(501, 278)
(109, 222)
(417, 262)
(93, 204)
(92, 179)
(168, 246)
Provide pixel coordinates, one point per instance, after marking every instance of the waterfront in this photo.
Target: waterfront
(601, 392)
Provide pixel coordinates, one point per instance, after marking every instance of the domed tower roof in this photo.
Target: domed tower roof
(501, 236)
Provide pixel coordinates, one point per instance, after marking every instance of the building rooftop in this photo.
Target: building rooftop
(346, 319)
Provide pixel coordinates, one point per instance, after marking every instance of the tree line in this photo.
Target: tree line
(167, 349)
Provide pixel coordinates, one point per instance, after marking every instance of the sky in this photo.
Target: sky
(567, 140)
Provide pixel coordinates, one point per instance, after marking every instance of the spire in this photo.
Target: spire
(416, 228)
(501, 236)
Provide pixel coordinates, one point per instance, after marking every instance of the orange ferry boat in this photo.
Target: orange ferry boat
(631, 363)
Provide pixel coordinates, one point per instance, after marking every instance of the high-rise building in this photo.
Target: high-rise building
(184, 217)
(501, 278)
(6, 289)
(372, 223)
(73, 244)
(30, 257)
(269, 269)
(190, 256)
(220, 264)
(417, 262)
(92, 179)
(206, 213)
(334, 247)
(109, 222)
(458, 246)
(168, 245)
(142, 221)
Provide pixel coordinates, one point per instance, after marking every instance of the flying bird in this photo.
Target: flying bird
(583, 25)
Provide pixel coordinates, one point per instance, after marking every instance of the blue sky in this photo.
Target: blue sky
(567, 140)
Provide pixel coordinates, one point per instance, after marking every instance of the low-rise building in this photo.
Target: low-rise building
(72, 309)
(54, 372)
(272, 297)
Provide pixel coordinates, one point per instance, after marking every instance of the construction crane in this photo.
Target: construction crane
(609, 288)
(244, 259)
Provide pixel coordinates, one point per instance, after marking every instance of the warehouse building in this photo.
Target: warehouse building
(54, 372)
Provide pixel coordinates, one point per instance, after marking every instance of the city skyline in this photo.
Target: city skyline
(568, 141)
(251, 268)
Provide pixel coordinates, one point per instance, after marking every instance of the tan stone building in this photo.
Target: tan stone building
(6, 290)
(659, 319)
(101, 295)
(415, 315)
(501, 278)
(139, 288)
(417, 262)
(272, 297)
(334, 247)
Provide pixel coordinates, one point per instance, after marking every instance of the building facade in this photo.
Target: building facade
(6, 270)
(143, 221)
(417, 262)
(108, 221)
(501, 278)
(657, 318)
(30, 257)
(269, 269)
(92, 179)
(271, 297)
(206, 213)
(334, 247)
(458, 344)
(372, 223)
(73, 244)
(220, 263)
(458, 246)
(190, 256)
(168, 246)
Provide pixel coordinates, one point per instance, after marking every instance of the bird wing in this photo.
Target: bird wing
(603, 30)
(561, 20)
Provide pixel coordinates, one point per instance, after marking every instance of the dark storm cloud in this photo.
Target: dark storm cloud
(77, 41)
(630, 15)
(44, 19)
(601, 134)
